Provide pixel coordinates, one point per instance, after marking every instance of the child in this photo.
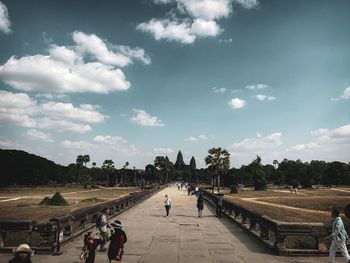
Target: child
(91, 242)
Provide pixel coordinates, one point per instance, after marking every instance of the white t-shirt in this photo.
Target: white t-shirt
(167, 201)
(103, 228)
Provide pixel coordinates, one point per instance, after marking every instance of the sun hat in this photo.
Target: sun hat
(24, 248)
(117, 224)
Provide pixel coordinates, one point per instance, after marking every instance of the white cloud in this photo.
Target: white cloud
(64, 70)
(78, 145)
(162, 150)
(256, 86)
(346, 94)
(327, 145)
(21, 110)
(92, 44)
(17, 109)
(5, 23)
(237, 103)
(201, 137)
(10, 144)
(135, 53)
(258, 143)
(169, 30)
(144, 119)
(207, 9)
(247, 4)
(262, 97)
(205, 28)
(39, 136)
(218, 90)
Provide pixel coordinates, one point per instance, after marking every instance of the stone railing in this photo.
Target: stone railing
(284, 238)
(47, 237)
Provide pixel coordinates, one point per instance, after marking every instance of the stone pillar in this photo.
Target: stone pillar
(264, 232)
(279, 243)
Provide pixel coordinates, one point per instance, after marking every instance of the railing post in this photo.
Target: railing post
(279, 243)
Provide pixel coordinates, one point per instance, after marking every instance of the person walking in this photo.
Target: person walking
(219, 205)
(22, 254)
(116, 246)
(167, 204)
(102, 225)
(91, 242)
(200, 205)
(338, 237)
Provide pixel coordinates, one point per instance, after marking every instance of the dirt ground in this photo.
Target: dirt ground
(18, 204)
(308, 205)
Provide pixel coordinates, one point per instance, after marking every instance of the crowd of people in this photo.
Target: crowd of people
(114, 233)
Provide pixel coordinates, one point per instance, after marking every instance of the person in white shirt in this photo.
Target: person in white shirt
(339, 237)
(167, 204)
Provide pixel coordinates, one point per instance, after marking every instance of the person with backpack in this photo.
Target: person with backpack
(339, 237)
(102, 226)
(116, 246)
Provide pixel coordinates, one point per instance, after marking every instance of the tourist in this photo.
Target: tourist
(219, 205)
(196, 190)
(118, 239)
(167, 204)
(338, 237)
(102, 225)
(200, 204)
(189, 189)
(91, 242)
(22, 254)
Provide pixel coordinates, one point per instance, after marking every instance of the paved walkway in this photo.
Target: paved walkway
(181, 237)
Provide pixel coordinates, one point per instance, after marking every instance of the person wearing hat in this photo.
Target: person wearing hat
(22, 254)
(118, 239)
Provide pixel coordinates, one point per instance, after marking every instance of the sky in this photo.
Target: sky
(131, 80)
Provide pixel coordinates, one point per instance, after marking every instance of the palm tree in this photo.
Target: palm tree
(86, 159)
(275, 163)
(79, 162)
(108, 166)
(219, 160)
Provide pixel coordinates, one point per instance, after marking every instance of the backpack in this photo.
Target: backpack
(99, 221)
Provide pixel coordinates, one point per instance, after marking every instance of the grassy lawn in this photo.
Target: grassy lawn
(27, 206)
(309, 205)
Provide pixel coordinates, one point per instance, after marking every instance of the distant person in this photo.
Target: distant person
(338, 237)
(196, 190)
(219, 205)
(200, 205)
(118, 239)
(167, 204)
(178, 186)
(91, 243)
(102, 225)
(23, 253)
(189, 189)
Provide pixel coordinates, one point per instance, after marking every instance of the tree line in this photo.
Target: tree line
(22, 168)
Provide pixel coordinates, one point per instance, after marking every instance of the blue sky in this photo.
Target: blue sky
(130, 80)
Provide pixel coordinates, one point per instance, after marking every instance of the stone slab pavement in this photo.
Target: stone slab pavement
(180, 238)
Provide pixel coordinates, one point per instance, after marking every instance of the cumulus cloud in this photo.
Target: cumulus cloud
(237, 103)
(344, 96)
(256, 86)
(207, 9)
(71, 70)
(258, 143)
(262, 97)
(185, 31)
(144, 119)
(199, 18)
(328, 144)
(21, 110)
(5, 24)
(201, 137)
(218, 90)
(39, 136)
